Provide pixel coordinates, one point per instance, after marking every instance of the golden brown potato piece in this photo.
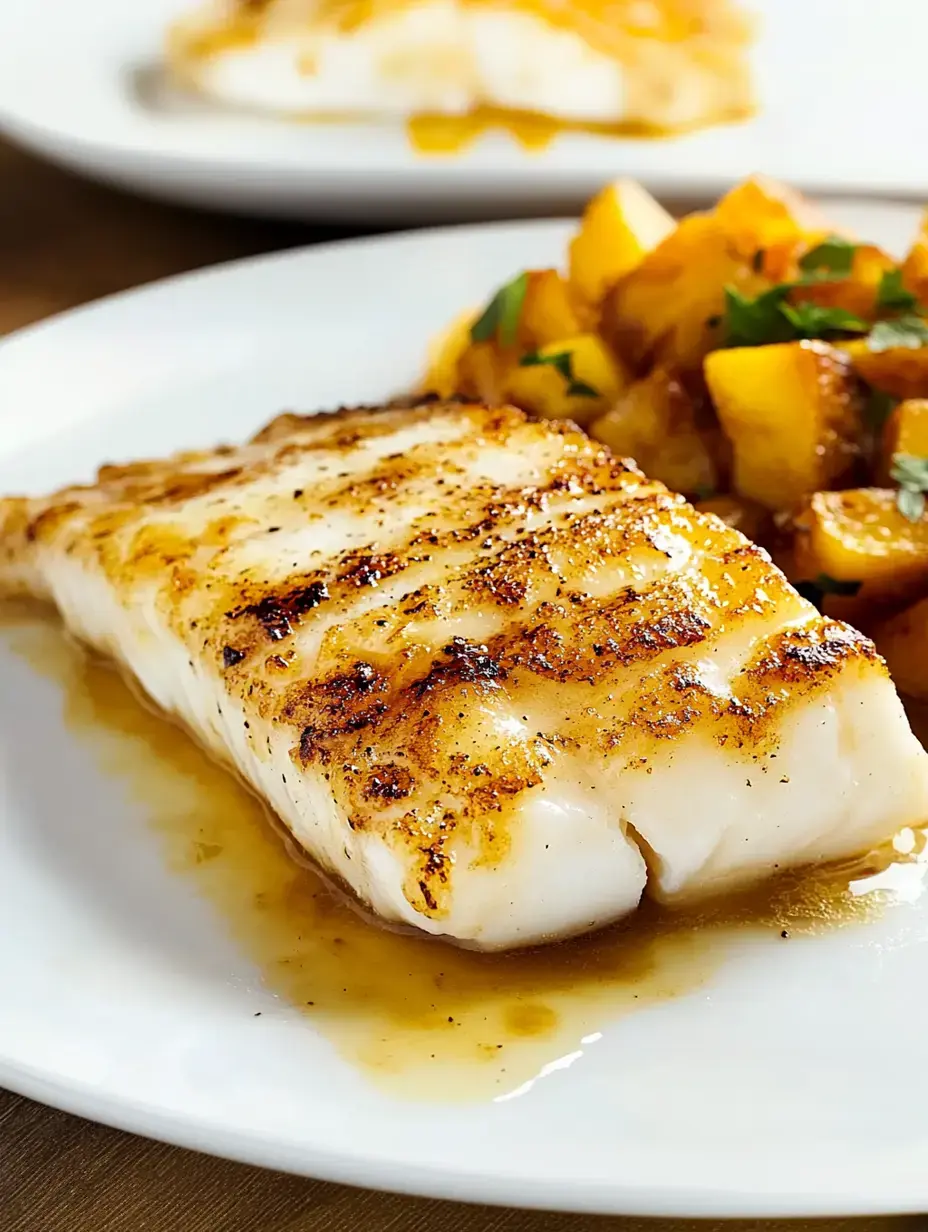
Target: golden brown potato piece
(860, 536)
(545, 391)
(793, 415)
(751, 519)
(858, 291)
(659, 423)
(668, 309)
(764, 215)
(482, 372)
(444, 357)
(915, 266)
(903, 642)
(900, 371)
(549, 310)
(619, 225)
(906, 431)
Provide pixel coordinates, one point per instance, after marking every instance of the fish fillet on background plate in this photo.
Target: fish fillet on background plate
(665, 64)
(493, 679)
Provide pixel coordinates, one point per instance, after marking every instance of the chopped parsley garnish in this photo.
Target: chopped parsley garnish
(911, 474)
(752, 322)
(814, 321)
(500, 318)
(908, 331)
(823, 585)
(834, 257)
(562, 362)
(769, 317)
(892, 296)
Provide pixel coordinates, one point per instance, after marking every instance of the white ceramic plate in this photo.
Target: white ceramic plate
(791, 1083)
(842, 84)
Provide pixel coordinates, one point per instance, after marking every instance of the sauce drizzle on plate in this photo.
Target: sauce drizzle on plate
(423, 1018)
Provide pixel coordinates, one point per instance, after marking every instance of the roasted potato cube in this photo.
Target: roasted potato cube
(793, 415)
(860, 536)
(445, 354)
(751, 519)
(761, 215)
(903, 642)
(658, 423)
(619, 225)
(482, 372)
(915, 266)
(544, 390)
(548, 310)
(667, 311)
(857, 292)
(906, 431)
(900, 371)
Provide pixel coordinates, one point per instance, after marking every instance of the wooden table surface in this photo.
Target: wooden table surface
(63, 242)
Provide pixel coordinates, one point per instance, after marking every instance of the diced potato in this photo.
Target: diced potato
(860, 536)
(761, 214)
(751, 519)
(445, 354)
(906, 431)
(915, 266)
(482, 372)
(668, 309)
(900, 371)
(619, 225)
(903, 643)
(658, 423)
(857, 292)
(548, 310)
(542, 389)
(792, 413)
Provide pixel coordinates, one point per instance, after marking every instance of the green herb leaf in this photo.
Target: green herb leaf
(911, 474)
(911, 504)
(814, 321)
(909, 471)
(906, 331)
(823, 585)
(832, 586)
(563, 362)
(580, 389)
(834, 256)
(500, 318)
(892, 296)
(753, 322)
(769, 317)
(878, 408)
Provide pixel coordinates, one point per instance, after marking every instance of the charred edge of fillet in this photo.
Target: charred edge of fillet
(365, 413)
(278, 614)
(468, 662)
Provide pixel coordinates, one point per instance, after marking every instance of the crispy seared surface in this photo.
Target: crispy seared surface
(375, 654)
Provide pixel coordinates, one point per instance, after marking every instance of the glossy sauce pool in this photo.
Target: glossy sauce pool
(422, 1017)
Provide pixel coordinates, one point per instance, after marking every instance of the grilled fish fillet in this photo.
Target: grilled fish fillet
(661, 63)
(494, 680)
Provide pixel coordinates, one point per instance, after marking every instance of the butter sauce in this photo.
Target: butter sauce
(421, 1017)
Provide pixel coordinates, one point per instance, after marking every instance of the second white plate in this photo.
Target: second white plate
(842, 87)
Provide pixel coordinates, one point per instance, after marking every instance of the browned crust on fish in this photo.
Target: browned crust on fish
(392, 704)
